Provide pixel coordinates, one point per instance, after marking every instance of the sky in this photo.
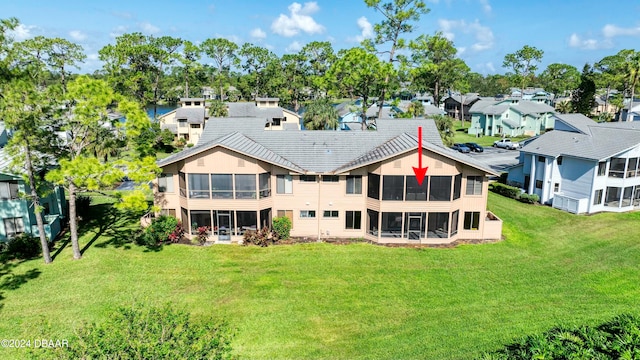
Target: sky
(573, 32)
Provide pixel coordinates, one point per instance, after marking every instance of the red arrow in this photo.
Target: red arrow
(420, 171)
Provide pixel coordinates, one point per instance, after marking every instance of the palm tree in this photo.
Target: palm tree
(218, 108)
(564, 107)
(320, 115)
(415, 109)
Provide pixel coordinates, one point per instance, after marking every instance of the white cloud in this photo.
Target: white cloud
(22, 32)
(294, 47)
(77, 35)
(486, 7)
(149, 28)
(610, 31)
(120, 30)
(258, 33)
(482, 34)
(366, 29)
(298, 20)
(92, 57)
(575, 41)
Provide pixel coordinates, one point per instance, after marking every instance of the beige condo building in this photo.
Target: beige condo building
(331, 184)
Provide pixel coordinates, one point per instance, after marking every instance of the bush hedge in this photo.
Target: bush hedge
(163, 229)
(22, 246)
(282, 226)
(513, 193)
(618, 338)
(150, 333)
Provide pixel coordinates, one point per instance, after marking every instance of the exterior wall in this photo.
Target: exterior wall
(321, 196)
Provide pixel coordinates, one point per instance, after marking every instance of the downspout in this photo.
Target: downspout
(318, 206)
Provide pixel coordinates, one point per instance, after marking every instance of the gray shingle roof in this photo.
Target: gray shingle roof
(601, 142)
(193, 115)
(249, 109)
(319, 151)
(577, 121)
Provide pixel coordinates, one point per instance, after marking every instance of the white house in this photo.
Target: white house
(583, 166)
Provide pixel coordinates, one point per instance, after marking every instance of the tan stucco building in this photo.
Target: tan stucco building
(348, 184)
(190, 118)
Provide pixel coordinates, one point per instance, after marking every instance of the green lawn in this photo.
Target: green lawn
(461, 135)
(359, 301)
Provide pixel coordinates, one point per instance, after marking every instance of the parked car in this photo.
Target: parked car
(475, 147)
(506, 144)
(461, 147)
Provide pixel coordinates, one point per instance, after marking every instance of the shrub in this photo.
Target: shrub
(529, 199)
(616, 339)
(162, 229)
(203, 234)
(150, 333)
(22, 246)
(282, 227)
(263, 237)
(505, 190)
(503, 178)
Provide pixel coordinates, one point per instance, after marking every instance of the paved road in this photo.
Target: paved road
(496, 158)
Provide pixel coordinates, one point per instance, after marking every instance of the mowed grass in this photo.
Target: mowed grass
(461, 135)
(358, 301)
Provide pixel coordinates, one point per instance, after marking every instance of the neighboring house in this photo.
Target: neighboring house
(349, 116)
(635, 112)
(331, 184)
(583, 166)
(429, 110)
(388, 111)
(510, 117)
(188, 120)
(16, 212)
(532, 94)
(452, 105)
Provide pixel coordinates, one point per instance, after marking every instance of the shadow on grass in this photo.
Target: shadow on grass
(9, 280)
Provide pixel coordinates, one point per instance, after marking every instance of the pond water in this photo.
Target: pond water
(160, 109)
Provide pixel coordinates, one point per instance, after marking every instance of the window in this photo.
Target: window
(287, 213)
(474, 185)
(187, 103)
(330, 213)
(198, 186)
(373, 186)
(308, 178)
(182, 123)
(540, 158)
(182, 184)
(372, 222)
(559, 160)
(307, 213)
(246, 220)
(556, 187)
(245, 186)
(330, 178)
(415, 191)
(265, 218)
(392, 187)
(165, 183)
(616, 169)
(200, 218)
(454, 222)
(221, 186)
(602, 168)
(264, 180)
(471, 220)
(612, 197)
(284, 184)
(168, 212)
(440, 188)
(9, 190)
(538, 184)
(353, 220)
(195, 126)
(457, 186)
(438, 225)
(354, 184)
(626, 196)
(632, 167)
(597, 197)
(13, 226)
(391, 224)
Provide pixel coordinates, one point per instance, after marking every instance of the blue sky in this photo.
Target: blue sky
(568, 31)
